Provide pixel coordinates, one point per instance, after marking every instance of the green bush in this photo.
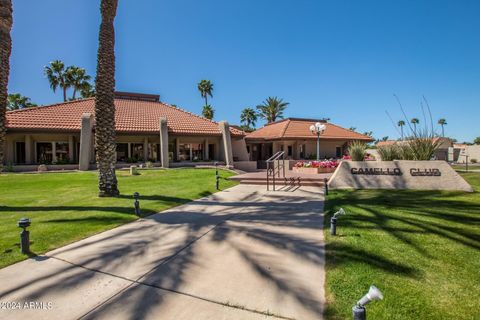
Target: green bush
(356, 150)
(473, 160)
(423, 148)
(389, 153)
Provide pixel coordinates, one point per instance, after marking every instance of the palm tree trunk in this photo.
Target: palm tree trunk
(6, 20)
(104, 102)
(443, 132)
(401, 129)
(206, 101)
(74, 93)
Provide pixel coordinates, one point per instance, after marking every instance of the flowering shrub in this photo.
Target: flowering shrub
(367, 157)
(317, 164)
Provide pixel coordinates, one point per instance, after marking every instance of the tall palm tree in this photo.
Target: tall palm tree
(443, 123)
(208, 112)
(87, 90)
(17, 101)
(6, 20)
(401, 123)
(77, 78)
(272, 108)
(104, 102)
(249, 117)
(57, 76)
(206, 88)
(415, 121)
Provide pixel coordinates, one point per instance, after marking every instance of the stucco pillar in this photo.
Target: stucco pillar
(177, 148)
(28, 149)
(86, 137)
(145, 149)
(164, 143)
(205, 150)
(54, 152)
(71, 147)
(226, 142)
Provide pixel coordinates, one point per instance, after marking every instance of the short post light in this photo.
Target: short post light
(325, 183)
(136, 203)
(359, 311)
(318, 128)
(217, 178)
(333, 221)
(24, 234)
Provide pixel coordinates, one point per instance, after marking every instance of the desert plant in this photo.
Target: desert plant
(473, 160)
(423, 147)
(389, 153)
(356, 149)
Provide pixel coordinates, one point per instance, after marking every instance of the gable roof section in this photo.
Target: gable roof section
(294, 128)
(131, 116)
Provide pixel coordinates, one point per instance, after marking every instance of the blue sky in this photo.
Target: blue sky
(338, 59)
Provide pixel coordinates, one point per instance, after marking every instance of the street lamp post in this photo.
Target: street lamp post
(317, 128)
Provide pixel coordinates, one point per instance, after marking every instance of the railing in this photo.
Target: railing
(273, 171)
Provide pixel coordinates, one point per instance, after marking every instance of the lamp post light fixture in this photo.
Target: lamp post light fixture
(24, 235)
(359, 311)
(217, 178)
(318, 128)
(136, 203)
(333, 221)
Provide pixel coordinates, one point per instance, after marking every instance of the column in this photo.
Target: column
(54, 152)
(85, 142)
(145, 149)
(28, 149)
(71, 154)
(129, 150)
(164, 143)
(226, 142)
(206, 156)
(177, 148)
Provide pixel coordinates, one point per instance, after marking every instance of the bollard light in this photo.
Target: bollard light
(24, 234)
(359, 311)
(325, 183)
(136, 203)
(217, 178)
(333, 221)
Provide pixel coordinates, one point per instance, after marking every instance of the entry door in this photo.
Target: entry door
(211, 151)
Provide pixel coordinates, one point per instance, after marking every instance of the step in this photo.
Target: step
(282, 183)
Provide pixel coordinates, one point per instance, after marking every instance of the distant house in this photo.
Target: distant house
(63, 133)
(293, 136)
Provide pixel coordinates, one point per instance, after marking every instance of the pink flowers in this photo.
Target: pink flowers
(317, 164)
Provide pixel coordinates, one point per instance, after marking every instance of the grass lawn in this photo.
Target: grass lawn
(420, 248)
(64, 207)
(461, 167)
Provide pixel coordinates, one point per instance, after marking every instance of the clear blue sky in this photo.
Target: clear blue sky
(338, 59)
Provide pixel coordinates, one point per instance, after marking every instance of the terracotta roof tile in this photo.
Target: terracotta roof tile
(293, 128)
(134, 116)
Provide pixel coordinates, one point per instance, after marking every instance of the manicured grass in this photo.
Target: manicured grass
(64, 207)
(421, 248)
(460, 167)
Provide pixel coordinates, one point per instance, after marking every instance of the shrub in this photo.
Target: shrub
(317, 164)
(149, 164)
(473, 160)
(423, 148)
(356, 150)
(389, 153)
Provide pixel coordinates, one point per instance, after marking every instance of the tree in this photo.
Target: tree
(442, 122)
(206, 88)
(16, 101)
(477, 140)
(208, 112)
(6, 20)
(104, 102)
(415, 121)
(271, 109)
(78, 79)
(57, 76)
(401, 124)
(249, 117)
(352, 129)
(87, 90)
(368, 133)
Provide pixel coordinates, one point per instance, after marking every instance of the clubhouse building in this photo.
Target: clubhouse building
(62, 136)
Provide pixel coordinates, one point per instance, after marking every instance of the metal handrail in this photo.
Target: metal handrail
(272, 171)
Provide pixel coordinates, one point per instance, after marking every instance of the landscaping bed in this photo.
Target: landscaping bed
(421, 248)
(64, 207)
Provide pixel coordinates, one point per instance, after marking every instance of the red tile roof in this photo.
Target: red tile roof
(132, 116)
(294, 128)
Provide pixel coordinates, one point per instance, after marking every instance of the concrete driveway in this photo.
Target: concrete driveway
(243, 253)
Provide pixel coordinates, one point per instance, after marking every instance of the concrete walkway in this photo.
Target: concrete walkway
(239, 254)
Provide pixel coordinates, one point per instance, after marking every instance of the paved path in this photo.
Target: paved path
(239, 254)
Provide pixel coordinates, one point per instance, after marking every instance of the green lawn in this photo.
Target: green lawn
(421, 248)
(64, 207)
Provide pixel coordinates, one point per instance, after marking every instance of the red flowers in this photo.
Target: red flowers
(317, 164)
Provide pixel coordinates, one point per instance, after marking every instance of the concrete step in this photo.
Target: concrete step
(282, 183)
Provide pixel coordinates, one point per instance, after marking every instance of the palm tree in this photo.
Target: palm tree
(6, 20)
(443, 123)
(57, 76)
(87, 90)
(104, 102)
(17, 101)
(208, 112)
(77, 78)
(401, 123)
(249, 117)
(272, 108)
(205, 87)
(415, 121)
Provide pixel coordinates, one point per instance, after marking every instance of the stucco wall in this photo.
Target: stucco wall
(473, 152)
(239, 149)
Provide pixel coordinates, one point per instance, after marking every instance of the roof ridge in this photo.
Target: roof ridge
(286, 127)
(188, 112)
(49, 105)
(361, 134)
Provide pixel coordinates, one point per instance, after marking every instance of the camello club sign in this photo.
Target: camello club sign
(414, 172)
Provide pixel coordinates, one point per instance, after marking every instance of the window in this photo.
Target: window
(184, 152)
(338, 152)
(302, 151)
(122, 152)
(61, 152)
(290, 151)
(20, 152)
(154, 152)
(44, 152)
(171, 152)
(137, 151)
(197, 151)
